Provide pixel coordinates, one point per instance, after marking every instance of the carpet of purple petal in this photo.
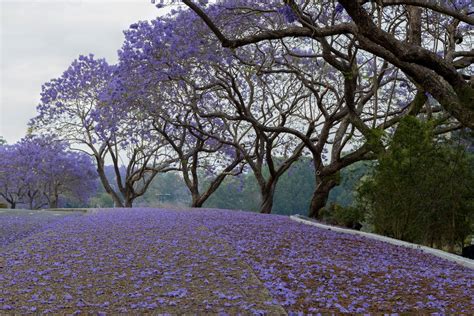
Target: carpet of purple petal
(213, 261)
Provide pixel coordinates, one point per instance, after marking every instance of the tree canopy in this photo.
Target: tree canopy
(219, 89)
(38, 171)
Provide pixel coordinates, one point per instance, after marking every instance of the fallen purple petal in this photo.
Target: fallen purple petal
(216, 261)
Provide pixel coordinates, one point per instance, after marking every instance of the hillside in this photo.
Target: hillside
(174, 261)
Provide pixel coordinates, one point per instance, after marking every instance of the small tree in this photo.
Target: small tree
(422, 189)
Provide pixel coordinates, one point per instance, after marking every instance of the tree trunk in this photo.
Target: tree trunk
(268, 193)
(54, 201)
(198, 202)
(13, 205)
(128, 202)
(324, 184)
(196, 199)
(200, 199)
(108, 188)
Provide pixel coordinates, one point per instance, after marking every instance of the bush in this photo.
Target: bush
(3, 205)
(346, 216)
(422, 189)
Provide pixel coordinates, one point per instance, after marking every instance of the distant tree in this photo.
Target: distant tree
(237, 193)
(166, 189)
(422, 189)
(292, 193)
(12, 185)
(167, 104)
(295, 188)
(72, 110)
(38, 171)
(101, 199)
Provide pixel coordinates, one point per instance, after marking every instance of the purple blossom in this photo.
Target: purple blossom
(288, 13)
(38, 171)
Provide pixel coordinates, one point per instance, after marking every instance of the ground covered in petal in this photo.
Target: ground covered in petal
(18, 224)
(214, 261)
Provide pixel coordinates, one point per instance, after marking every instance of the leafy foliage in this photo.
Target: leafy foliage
(347, 216)
(421, 190)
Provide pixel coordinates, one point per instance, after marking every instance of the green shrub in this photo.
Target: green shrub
(422, 189)
(346, 216)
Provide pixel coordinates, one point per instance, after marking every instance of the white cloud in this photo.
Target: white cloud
(39, 39)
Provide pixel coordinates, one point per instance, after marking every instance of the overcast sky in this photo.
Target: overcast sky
(40, 38)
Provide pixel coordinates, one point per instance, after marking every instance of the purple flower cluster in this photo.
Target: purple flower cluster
(216, 261)
(288, 13)
(38, 170)
(462, 4)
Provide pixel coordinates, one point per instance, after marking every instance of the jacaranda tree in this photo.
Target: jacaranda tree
(40, 171)
(430, 41)
(168, 109)
(369, 93)
(71, 109)
(272, 81)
